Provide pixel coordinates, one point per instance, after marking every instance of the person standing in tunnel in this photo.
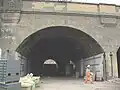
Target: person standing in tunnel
(89, 75)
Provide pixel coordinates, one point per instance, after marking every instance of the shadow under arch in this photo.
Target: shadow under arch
(118, 61)
(61, 43)
(90, 45)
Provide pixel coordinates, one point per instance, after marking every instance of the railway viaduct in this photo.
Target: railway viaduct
(82, 32)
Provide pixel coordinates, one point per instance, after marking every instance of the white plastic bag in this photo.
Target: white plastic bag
(29, 81)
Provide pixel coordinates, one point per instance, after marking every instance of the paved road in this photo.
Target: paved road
(74, 84)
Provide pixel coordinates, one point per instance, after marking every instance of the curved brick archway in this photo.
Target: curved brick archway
(61, 43)
(91, 46)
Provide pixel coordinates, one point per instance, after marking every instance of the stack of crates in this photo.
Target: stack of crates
(9, 75)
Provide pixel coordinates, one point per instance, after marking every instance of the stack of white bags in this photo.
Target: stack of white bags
(29, 81)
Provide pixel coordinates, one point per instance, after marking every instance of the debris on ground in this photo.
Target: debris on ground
(29, 81)
(114, 80)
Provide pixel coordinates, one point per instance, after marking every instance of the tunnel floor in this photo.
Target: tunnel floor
(74, 84)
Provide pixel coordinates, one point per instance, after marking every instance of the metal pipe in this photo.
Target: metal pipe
(111, 63)
(104, 67)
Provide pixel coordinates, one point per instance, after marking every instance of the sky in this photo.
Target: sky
(97, 1)
(101, 1)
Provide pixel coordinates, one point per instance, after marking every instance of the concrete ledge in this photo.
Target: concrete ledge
(69, 7)
(89, 14)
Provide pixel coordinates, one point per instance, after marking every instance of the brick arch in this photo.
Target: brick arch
(60, 31)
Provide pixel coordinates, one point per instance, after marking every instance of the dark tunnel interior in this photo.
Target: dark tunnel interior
(60, 43)
(61, 49)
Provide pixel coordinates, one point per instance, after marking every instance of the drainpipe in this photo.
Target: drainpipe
(111, 63)
(104, 67)
(0, 53)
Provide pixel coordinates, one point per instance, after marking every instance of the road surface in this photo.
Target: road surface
(74, 84)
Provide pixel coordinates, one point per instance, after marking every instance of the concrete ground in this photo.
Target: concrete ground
(74, 84)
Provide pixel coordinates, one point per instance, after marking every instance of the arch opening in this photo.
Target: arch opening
(50, 68)
(65, 45)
